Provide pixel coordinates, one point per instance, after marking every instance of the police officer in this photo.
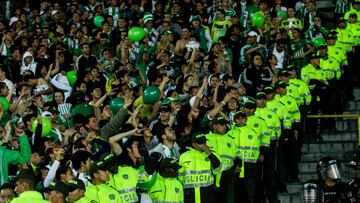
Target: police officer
(98, 190)
(248, 143)
(260, 127)
(312, 193)
(354, 184)
(290, 141)
(130, 173)
(76, 191)
(58, 191)
(270, 161)
(219, 142)
(304, 91)
(315, 78)
(333, 190)
(199, 165)
(167, 188)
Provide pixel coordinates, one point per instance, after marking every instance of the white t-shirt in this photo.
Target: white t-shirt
(280, 58)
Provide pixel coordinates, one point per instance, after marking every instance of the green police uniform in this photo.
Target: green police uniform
(345, 39)
(248, 143)
(330, 67)
(293, 91)
(272, 121)
(166, 190)
(259, 125)
(126, 180)
(304, 90)
(281, 111)
(355, 29)
(82, 200)
(309, 72)
(338, 53)
(197, 174)
(291, 106)
(101, 193)
(222, 145)
(29, 196)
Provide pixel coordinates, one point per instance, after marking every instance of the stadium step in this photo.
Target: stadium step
(340, 145)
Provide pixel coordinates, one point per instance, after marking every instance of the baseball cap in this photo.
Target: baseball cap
(279, 84)
(250, 103)
(252, 34)
(236, 85)
(331, 36)
(58, 186)
(269, 89)
(165, 107)
(195, 17)
(75, 184)
(290, 68)
(220, 120)
(227, 77)
(100, 165)
(169, 100)
(261, 95)
(169, 163)
(26, 174)
(239, 114)
(315, 56)
(198, 138)
(168, 32)
(108, 159)
(284, 73)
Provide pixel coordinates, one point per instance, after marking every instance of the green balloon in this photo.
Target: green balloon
(72, 77)
(319, 41)
(46, 126)
(282, 14)
(5, 103)
(151, 95)
(98, 21)
(258, 20)
(136, 34)
(116, 104)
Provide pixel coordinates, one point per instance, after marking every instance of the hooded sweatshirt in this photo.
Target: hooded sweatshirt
(31, 66)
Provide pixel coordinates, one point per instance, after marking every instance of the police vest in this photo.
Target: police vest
(126, 181)
(293, 91)
(196, 169)
(337, 53)
(166, 190)
(272, 121)
(345, 39)
(291, 106)
(248, 143)
(330, 67)
(223, 146)
(260, 127)
(281, 111)
(303, 90)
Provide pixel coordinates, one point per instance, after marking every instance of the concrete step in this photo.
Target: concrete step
(295, 187)
(290, 197)
(341, 136)
(356, 93)
(308, 167)
(329, 147)
(317, 156)
(305, 176)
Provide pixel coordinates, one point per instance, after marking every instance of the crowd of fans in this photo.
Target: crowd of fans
(234, 95)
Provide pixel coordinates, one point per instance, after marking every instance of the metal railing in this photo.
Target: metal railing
(353, 116)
